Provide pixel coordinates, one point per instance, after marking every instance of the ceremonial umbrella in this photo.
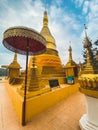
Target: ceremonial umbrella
(25, 41)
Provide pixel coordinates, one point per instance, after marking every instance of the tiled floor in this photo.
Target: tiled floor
(63, 116)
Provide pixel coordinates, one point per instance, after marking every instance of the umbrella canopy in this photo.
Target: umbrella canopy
(22, 39)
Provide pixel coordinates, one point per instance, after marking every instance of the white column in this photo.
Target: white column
(89, 121)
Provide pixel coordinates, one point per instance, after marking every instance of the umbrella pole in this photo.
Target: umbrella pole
(25, 88)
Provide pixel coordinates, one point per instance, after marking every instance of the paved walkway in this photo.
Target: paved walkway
(63, 116)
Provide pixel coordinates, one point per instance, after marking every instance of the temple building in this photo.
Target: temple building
(49, 64)
(71, 68)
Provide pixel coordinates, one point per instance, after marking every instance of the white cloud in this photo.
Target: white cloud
(78, 2)
(7, 58)
(93, 10)
(26, 16)
(57, 2)
(92, 20)
(61, 26)
(86, 7)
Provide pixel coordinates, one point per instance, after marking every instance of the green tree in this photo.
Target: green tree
(96, 52)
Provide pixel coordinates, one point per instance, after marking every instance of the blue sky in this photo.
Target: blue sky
(66, 23)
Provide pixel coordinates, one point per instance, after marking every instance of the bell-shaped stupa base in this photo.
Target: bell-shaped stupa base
(86, 125)
(89, 121)
(33, 79)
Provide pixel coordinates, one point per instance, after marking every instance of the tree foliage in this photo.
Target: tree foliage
(3, 72)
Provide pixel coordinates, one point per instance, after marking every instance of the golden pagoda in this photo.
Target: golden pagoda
(89, 87)
(89, 67)
(49, 64)
(71, 68)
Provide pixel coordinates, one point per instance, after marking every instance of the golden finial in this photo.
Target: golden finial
(15, 57)
(70, 53)
(70, 49)
(85, 27)
(45, 19)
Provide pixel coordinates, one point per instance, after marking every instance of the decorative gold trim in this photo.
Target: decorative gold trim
(89, 81)
(88, 92)
(24, 32)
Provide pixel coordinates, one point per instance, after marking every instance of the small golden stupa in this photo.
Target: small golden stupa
(14, 68)
(71, 68)
(89, 68)
(49, 64)
(34, 77)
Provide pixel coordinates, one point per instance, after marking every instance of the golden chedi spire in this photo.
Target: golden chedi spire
(87, 42)
(89, 68)
(71, 68)
(14, 64)
(14, 68)
(49, 64)
(70, 53)
(70, 62)
(88, 81)
(15, 57)
(47, 34)
(45, 19)
(89, 78)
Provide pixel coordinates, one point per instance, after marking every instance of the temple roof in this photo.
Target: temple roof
(47, 34)
(14, 64)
